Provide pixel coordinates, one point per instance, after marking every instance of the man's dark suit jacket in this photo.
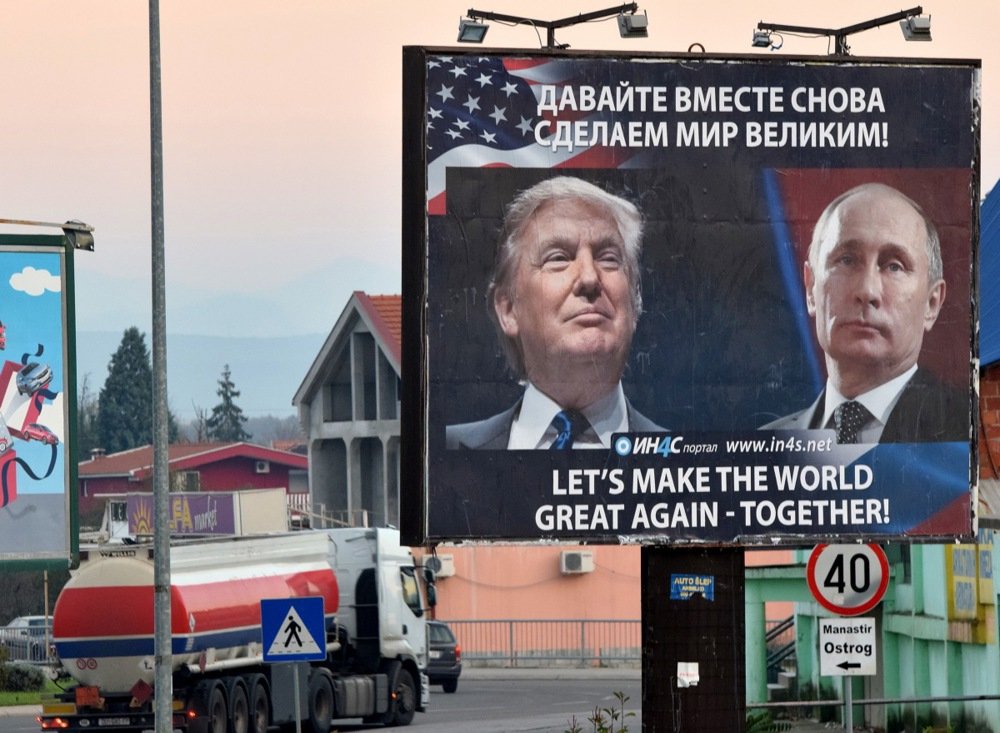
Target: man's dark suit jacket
(493, 433)
(928, 411)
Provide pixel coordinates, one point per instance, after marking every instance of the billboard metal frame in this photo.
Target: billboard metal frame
(938, 154)
(18, 558)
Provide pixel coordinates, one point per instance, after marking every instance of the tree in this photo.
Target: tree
(200, 423)
(125, 404)
(225, 424)
(86, 420)
(24, 592)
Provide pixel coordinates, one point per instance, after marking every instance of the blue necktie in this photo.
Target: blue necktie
(569, 424)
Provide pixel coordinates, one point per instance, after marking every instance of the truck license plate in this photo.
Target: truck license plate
(113, 721)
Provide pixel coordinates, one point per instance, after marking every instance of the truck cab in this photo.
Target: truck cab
(382, 610)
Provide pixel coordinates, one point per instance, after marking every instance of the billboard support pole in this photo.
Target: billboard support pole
(693, 649)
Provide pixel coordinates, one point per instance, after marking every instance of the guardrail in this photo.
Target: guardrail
(541, 642)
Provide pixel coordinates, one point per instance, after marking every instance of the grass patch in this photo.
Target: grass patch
(27, 698)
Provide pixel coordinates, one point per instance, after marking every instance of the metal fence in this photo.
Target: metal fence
(502, 643)
(540, 643)
(25, 644)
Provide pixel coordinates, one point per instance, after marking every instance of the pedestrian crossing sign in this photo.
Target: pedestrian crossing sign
(293, 629)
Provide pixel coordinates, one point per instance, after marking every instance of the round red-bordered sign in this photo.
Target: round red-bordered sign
(848, 579)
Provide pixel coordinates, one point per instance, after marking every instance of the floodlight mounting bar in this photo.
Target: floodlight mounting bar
(551, 25)
(76, 226)
(882, 21)
(78, 234)
(840, 34)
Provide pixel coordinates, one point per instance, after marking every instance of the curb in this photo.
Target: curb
(550, 673)
(10, 711)
(476, 673)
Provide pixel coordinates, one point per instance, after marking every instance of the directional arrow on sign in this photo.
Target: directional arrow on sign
(847, 646)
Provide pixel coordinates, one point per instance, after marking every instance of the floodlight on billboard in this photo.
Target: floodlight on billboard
(613, 254)
(915, 27)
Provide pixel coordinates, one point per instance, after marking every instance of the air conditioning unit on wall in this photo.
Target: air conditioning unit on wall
(262, 467)
(574, 562)
(447, 566)
(442, 565)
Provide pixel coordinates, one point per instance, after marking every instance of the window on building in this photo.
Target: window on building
(365, 394)
(185, 481)
(337, 393)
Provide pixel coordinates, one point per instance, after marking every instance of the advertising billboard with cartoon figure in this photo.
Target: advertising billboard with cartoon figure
(36, 474)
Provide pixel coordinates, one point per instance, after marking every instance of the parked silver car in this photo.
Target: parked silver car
(24, 638)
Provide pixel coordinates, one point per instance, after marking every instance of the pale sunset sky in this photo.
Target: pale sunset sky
(282, 133)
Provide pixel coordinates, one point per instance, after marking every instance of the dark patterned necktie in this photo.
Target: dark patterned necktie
(848, 419)
(569, 424)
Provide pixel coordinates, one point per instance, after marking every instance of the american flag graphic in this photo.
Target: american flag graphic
(482, 111)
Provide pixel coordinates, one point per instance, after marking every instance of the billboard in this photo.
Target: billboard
(37, 474)
(250, 511)
(627, 240)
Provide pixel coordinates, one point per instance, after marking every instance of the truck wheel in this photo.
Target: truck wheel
(239, 707)
(320, 702)
(403, 705)
(260, 705)
(210, 701)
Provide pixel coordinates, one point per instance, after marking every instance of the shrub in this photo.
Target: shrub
(21, 678)
(606, 720)
(763, 722)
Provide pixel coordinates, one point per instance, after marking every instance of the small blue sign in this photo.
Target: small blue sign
(682, 587)
(293, 629)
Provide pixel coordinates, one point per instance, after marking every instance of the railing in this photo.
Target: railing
(780, 640)
(21, 645)
(302, 512)
(540, 643)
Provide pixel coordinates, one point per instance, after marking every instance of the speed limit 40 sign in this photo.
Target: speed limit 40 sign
(848, 579)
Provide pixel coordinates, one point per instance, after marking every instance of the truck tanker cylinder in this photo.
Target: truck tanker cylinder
(103, 619)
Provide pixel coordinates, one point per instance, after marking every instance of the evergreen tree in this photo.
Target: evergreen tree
(225, 424)
(125, 404)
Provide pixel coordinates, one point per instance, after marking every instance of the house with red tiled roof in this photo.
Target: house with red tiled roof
(192, 467)
(348, 405)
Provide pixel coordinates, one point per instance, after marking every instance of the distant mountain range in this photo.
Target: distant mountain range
(267, 371)
(309, 303)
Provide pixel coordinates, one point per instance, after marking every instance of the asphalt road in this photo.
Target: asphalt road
(539, 701)
(492, 701)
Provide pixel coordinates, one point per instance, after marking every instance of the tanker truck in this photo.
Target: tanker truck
(373, 613)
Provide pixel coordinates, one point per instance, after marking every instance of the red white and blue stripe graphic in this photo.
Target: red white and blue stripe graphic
(482, 111)
(102, 632)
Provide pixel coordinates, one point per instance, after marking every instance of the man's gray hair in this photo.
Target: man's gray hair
(935, 268)
(624, 213)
